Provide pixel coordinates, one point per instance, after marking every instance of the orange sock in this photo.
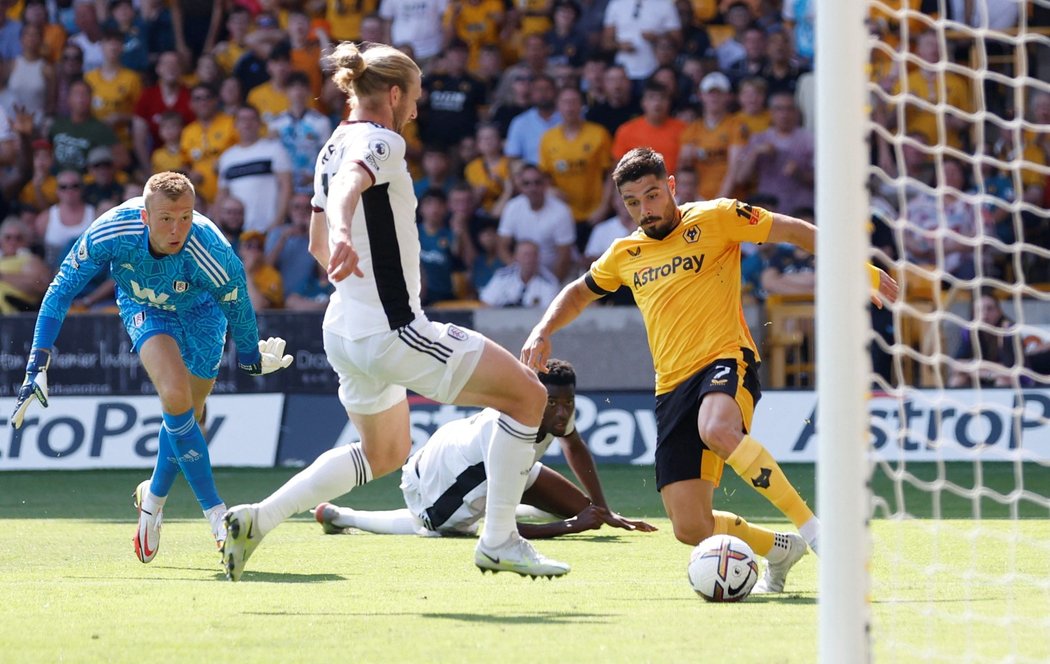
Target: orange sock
(753, 463)
(759, 539)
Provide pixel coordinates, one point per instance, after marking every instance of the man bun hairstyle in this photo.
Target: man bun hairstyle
(638, 163)
(369, 69)
(559, 372)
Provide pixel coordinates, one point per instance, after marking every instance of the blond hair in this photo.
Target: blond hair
(172, 185)
(371, 69)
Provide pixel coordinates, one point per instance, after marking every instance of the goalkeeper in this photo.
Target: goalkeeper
(683, 266)
(179, 283)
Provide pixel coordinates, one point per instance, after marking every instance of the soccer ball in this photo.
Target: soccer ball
(723, 568)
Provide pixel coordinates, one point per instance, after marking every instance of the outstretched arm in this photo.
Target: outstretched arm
(803, 234)
(565, 308)
(344, 196)
(552, 492)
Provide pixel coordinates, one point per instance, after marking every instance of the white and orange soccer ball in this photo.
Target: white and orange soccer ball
(723, 568)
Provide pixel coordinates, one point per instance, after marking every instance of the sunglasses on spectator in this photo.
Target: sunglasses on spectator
(201, 97)
(65, 186)
(531, 183)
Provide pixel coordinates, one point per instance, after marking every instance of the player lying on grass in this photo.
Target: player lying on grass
(444, 482)
(178, 284)
(683, 267)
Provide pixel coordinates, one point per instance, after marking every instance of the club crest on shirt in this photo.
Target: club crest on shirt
(379, 148)
(457, 333)
(634, 253)
(138, 319)
(691, 234)
(82, 250)
(180, 286)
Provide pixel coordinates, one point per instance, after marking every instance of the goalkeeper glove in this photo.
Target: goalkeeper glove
(269, 358)
(34, 386)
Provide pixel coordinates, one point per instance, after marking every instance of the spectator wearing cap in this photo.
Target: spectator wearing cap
(476, 22)
(413, 22)
(30, 78)
(115, 89)
(539, 216)
(453, 97)
(655, 128)
(265, 287)
(89, 33)
(632, 28)
(41, 191)
(24, 277)
(617, 104)
(168, 95)
(256, 170)
(74, 136)
(302, 131)
(205, 139)
(526, 130)
(103, 182)
(126, 21)
(712, 141)
(271, 98)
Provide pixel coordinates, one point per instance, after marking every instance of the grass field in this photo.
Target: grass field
(71, 588)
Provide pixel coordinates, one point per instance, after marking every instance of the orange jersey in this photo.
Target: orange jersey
(344, 17)
(577, 167)
(478, 176)
(714, 142)
(477, 25)
(753, 124)
(637, 133)
(687, 285)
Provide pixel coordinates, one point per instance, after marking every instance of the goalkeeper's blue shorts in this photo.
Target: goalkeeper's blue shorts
(200, 332)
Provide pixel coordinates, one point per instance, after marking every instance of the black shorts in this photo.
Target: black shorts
(680, 454)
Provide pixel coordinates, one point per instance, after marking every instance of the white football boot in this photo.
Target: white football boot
(776, 573)
(517, 555)
(218, 525)
(147, 536)
(241, 539)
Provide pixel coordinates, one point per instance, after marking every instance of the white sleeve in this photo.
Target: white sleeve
(671, 21)
(282, 163)
(381, 152)
(565, 233)
(506, 220)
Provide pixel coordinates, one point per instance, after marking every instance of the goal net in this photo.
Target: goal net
(958, 128)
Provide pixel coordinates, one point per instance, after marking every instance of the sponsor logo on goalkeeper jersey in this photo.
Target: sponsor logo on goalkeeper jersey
(648, 275)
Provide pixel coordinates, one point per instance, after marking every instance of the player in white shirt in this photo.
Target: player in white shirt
(444, 482)
(378, 339)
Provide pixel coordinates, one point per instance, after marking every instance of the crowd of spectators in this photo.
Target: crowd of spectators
(527, 106)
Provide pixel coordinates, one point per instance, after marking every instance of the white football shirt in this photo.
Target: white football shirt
(383, 232)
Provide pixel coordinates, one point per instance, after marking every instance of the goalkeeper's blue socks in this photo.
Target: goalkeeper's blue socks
(167, 467)
(187, 445)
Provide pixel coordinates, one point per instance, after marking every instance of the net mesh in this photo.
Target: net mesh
(960, 135)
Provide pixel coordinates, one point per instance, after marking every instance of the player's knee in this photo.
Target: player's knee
(694, 530)
(721, 437)
(387, 457)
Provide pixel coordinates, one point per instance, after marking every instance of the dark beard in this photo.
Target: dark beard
(657, 234)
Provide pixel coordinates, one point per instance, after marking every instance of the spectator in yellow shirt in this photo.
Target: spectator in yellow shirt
(712, 142)
(271, 98)
(169, 156)
(205, 139)
(114, 89)
(476, 22)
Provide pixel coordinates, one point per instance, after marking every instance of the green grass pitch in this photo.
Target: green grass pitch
(71, 588)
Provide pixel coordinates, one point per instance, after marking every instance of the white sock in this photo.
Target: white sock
(780, 548)
(810, 532)
(214, 516)
(510, 456)
(388, 522)
(153, 504)
(332, 474)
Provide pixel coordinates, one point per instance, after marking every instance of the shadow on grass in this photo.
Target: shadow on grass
(542, 618)
(284, 577)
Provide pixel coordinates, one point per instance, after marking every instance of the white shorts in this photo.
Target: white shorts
(446, 497)
(432, 359)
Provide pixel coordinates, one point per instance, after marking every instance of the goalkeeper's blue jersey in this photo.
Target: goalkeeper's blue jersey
(205, 268)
